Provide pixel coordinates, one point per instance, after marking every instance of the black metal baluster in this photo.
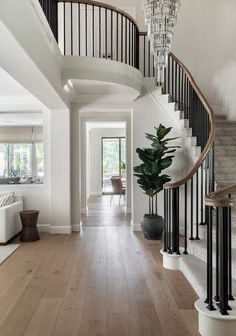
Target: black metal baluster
(117, 37)
(165, 220)
(64, 28)
(111, 12)
(179, 94)
(71, 28)
(137, 48)
(197, 206)
(202, 196)
(191, 209)
(86, 29)
(149, 57)
(206, 189)
(223, 250)
(122, 37)
(176, 74)
(100, 32)
(175, 220)
(168, 82)
(172, 78)
(217, 256)
(209, 299)
(106, 52)
(144, 57)
(126, 42)
(130, 42)
(79, 30)
(93, 24)
(170, 218)
(185, 218)
(230, 295)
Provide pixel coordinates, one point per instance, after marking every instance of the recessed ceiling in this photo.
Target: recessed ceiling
(83, 90)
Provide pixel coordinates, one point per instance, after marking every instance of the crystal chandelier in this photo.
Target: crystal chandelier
(160, 19)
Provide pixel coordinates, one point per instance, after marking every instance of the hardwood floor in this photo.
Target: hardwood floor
(103, 281)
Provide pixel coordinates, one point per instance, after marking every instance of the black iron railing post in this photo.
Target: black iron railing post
(209, 299)
(175, 220)
(230, 295)
(223, 254)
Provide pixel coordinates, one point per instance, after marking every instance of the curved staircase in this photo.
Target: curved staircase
(200, 225)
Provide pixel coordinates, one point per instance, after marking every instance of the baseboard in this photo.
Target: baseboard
(135, 227)
(84, 211)
(76, 227)
(43, 227)
(128, 211)
(60, 229)
(96, 193)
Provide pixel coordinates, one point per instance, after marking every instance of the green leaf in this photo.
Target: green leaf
(162, 131)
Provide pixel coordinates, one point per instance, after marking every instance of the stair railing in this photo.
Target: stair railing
(221, 282)
(199, 181)
(95, 29)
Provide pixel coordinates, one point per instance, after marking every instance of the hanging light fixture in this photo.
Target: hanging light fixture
(160, 19)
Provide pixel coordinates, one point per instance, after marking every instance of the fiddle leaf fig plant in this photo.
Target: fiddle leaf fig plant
(154, 160)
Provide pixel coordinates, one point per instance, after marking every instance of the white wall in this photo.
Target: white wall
(146, 115)
(60, 177)
(95, 140)
(205, 42)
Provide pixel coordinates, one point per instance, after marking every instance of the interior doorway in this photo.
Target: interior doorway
(105, 154)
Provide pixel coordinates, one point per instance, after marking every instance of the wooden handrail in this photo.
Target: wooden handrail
(103, 5)
(218, 198)
(211, 138)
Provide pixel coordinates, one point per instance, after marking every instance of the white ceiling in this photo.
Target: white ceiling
(13, 97)
(21, 119)
(9, 86)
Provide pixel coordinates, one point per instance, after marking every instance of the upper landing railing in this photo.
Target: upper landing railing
(95, 29)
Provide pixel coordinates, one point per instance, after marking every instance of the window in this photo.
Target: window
(39, 159)
(24, 159)
(113, 160)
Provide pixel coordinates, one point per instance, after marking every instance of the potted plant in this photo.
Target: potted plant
(122, 168)
(150, 178)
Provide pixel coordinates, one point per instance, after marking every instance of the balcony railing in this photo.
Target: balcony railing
(94, 29)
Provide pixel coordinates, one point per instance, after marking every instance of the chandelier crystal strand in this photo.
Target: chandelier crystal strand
(160, 19)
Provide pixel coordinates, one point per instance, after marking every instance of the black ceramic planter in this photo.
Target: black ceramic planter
(152, 227)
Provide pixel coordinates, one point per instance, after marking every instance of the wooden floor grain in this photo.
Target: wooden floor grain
(103, 281)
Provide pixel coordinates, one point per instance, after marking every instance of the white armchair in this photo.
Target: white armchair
(10, 223)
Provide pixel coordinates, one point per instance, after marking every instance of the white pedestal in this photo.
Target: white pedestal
(171, 261)
(212, 323)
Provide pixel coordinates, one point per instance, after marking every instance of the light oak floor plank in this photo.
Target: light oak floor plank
(104, 281)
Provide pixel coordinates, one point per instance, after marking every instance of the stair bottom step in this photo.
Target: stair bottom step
(195, 271)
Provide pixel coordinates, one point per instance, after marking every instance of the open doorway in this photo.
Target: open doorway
(106, 159)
